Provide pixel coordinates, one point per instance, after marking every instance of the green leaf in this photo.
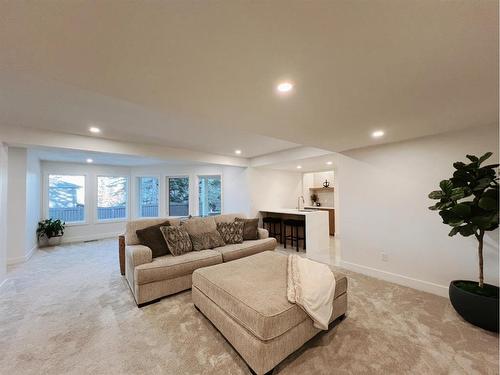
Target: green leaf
(488, 204)
(467, 230)
(458, 165)
(472, 158)
(482, 183)
(457, 193)
(461, 210)
(436, 194)
(454, 231)
(485, 156)
(482, 222)
(446, 186)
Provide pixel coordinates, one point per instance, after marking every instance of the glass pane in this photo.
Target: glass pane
(210, 195)
(148, 196)
(111, 198)
(67, 198)
(178, 196)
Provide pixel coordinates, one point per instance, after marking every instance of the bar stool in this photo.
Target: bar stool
(270, 223)
(295, 224)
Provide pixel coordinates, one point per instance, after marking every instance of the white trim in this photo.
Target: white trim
(24, 258)
(90, 237)
(410, 282)
(3, 282)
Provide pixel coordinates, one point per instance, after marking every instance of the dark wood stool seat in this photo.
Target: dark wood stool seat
(272, 224)
(294, 237)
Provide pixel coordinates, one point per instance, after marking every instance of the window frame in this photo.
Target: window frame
(198, 177)
(96, 200)
(167, 194)
(46, 200)
(138, 196)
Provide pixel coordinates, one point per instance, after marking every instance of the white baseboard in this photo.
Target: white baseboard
(90, 237)
(24, 258)
(425, 286)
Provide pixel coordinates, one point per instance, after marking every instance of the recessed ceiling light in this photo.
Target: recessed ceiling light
(378, 134)
(89, 160)
(94, 130)
(237, 152)
(284, 87)
(299, 166)
(329, 162)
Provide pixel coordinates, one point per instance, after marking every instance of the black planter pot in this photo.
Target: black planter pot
(482, 311)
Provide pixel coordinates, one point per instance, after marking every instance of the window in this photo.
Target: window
(209, 195)
(67, 198)
(148, 196)
(178, 196)
(111, 198)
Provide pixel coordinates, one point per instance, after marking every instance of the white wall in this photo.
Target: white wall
(272, 189)
(383, 208)
(3, 211)
(16, 205)
(33, 199)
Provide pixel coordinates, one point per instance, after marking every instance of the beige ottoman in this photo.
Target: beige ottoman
(246, 301)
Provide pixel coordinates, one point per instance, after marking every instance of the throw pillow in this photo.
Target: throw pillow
(177, 239)
(231, 232)
(153, 238)
(198, 225)
(250, 231)
(207, 240)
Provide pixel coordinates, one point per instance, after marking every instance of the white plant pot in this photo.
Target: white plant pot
(52, 241)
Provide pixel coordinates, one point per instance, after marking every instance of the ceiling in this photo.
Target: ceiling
(101, 158)
(201, 75)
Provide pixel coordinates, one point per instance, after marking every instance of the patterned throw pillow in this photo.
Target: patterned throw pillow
(231, 232)
(207, 240)
(153, 238)
(250, 231)
(177, 239)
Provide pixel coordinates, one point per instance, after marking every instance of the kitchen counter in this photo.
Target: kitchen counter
(320, 207)
(316, 229)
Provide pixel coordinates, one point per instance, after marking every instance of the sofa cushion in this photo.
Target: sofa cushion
(250, 228)
(170, 267)
(205, 241)
(246, 248)
(227, 218)
(177, 239)
(198, 225)
(231, 232)
(134, 225)
(152, 237)
(252, 290)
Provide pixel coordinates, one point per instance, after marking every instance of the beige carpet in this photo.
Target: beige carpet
(68, 311)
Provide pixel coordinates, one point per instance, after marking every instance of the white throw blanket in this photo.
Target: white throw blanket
(311, 285)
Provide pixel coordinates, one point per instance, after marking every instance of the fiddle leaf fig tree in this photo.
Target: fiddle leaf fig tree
(468, 201)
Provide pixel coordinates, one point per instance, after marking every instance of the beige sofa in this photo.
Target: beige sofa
(153, 278)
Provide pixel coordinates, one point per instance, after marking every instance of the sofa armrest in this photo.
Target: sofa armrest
(121, 253)
(263, 233)
(138, 254)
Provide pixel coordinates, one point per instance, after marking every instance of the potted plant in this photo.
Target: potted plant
(49, 232)
(468, 202)
(314, 199)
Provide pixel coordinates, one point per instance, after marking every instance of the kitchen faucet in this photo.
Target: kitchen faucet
(298, 201)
